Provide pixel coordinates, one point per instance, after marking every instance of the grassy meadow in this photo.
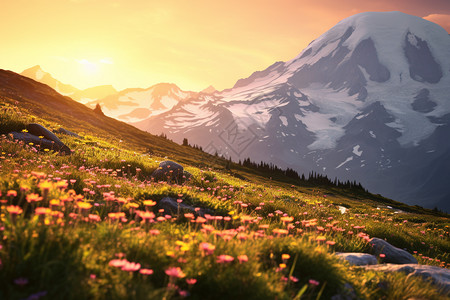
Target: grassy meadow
(86, 226)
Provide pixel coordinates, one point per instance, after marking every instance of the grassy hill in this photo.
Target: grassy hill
(82, 226)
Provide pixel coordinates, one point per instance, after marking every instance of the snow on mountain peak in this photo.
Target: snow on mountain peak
(388, 31)
(385, 57)
(209, 90)
(137, 104)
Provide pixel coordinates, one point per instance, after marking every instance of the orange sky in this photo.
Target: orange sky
(195, 43)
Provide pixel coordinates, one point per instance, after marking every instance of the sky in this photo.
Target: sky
(194, 44)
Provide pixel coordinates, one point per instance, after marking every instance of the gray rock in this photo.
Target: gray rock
(358, 259)
(39, 130)
(422, 65)
(170, 206)
(187, 175)
(66, 132)
(422, 102)
(39, 143)
(438, 276)
(392, 254)
(168, 171)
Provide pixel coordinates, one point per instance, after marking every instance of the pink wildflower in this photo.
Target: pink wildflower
(314, 282)
(131, 266)
(224, 259)
(207, 248)
(146, 271)
(118, 263)
(175, 272)
(33, 198)
(242, 258)
(146, 215)
(14, 210)
(11, 193)
(42, 211)
(183, 293)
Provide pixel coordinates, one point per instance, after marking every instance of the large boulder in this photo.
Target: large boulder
(358, 259)
(39, 130)
(169, 171)
(438, 276)
(171, 205)
(392, 254)
(41, 143)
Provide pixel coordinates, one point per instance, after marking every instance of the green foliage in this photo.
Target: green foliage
(11, 119)
(279, 238)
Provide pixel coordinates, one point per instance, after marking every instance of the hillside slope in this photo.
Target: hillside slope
(43, 101)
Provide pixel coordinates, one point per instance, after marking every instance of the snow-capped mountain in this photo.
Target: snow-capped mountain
(209, 90)
(129, 105)
(137, 104)
(367, 101)
(82, 96)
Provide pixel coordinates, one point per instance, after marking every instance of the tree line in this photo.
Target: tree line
(313, 178)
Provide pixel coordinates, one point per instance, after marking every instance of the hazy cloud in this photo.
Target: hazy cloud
(106, 61)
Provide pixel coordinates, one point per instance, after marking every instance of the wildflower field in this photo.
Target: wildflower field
(87, 226)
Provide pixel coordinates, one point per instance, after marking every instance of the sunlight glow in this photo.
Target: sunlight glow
(143, 42)
(89, 67)
(106, 61)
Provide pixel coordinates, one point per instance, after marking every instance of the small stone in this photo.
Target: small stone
(66, 132)
(171, 205)
(392, 254)
(438, 276)
(358, 259)
(168, 171)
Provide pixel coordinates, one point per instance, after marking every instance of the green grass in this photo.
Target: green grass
(66, 255)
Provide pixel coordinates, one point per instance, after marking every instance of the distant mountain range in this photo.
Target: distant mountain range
(366, 101)
(82, 96)
(129, 105)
